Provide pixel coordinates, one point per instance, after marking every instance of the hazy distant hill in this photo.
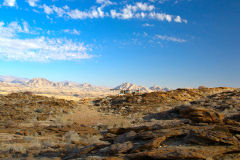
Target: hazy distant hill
(40, 83)
(44, 83)
(65, 88)
(12, 79)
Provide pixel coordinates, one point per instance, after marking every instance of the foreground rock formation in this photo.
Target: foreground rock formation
(192, 124)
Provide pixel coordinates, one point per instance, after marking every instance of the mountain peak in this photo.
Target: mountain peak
(132, 87)
(40, 82)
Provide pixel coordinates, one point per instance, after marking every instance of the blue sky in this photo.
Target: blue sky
(173, 43)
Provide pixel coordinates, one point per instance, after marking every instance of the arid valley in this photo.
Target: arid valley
(119, 80)
(178, 124)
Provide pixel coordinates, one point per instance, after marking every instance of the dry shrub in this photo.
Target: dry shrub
(202, 87)
(14, 148)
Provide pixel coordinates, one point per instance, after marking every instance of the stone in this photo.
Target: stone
(200, 114)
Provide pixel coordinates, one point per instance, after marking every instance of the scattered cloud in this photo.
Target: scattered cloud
(104, 2)
(162, 1)
(138, 10)
(94, 13)
(168, 38)
(132, 11)
(161, 16)
(10, 3)
(180, 20)
(74, 31)
(12, 29)
(40, 49)
(148, 25)
(47, 9)
(32, 3)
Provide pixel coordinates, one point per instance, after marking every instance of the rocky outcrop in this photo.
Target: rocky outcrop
(20, 107)
(199, 114)
(202, 132)
(199, 129)
(132, 87)
(148, 102)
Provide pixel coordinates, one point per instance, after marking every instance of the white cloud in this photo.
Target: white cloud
(94, 13)
(148, 25)
(13, 28)
(144, 11)
(168, 38)
(25, 27)
(114, 13)
(10, 3)
(130, 11)
(37, 49)
(162, 1)
(104, 2)
(178, 19)
(159, 1)
(32, 3)
(144, 6)
(74, 31)
(74, 14)
(137, 11)
(59, 11)
(66, 7)
(47, 9)
(161, 16)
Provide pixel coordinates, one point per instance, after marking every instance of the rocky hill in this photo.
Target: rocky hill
(43, 86)
(12, 79)
(150, 102)
(41, 83)
(9, 84)
(133, 87)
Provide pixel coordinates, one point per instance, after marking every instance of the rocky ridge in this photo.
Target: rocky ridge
(151, 102)
(133, 87)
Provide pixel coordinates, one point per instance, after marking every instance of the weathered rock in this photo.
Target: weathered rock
(130, 104)
(184, 152)
(212, 135)
(117, 148)
(129, 136)
(151, 144)
(200, 114)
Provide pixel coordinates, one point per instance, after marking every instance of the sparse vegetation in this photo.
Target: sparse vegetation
(161, 121)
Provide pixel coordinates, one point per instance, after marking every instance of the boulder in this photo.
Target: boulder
(200, 114)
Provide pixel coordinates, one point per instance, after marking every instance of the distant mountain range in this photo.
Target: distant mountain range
(131, 87)
(12, 79)
(44, 83)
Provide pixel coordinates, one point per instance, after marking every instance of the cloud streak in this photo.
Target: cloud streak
(168, 38)
(137, 10)
(40, 49)
(74, 31)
